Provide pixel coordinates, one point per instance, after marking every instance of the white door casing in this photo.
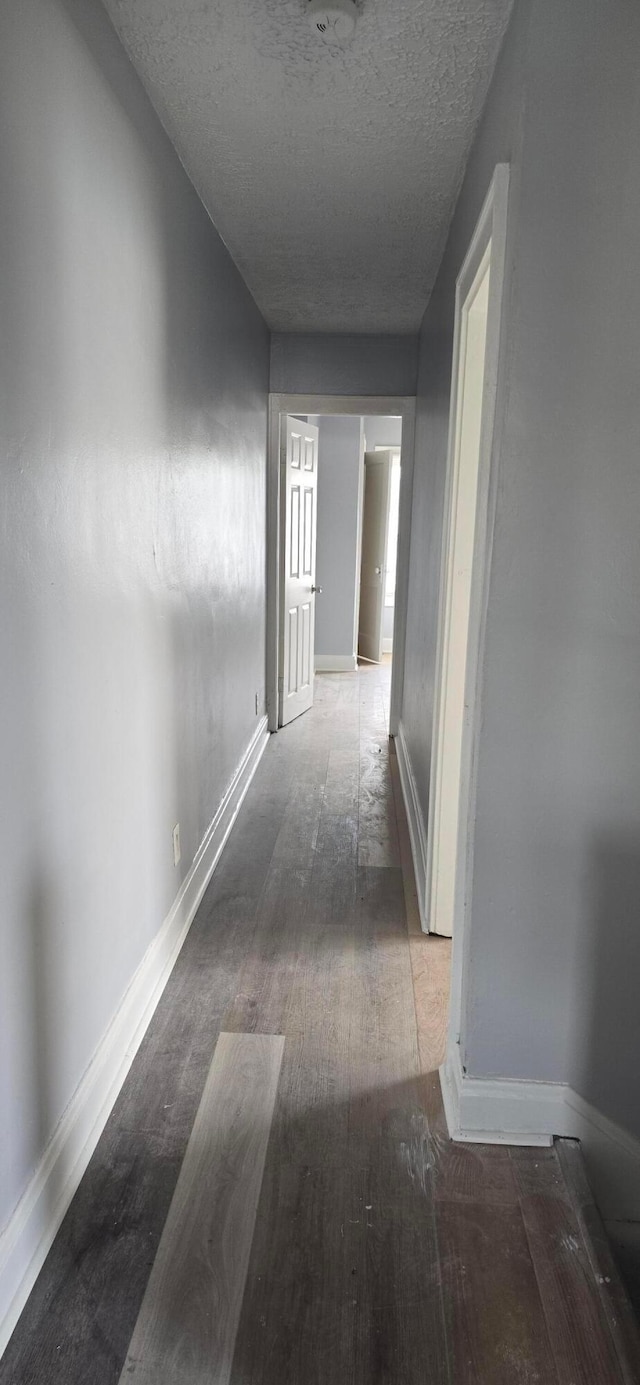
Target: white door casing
(281, 405)
(299, 463)
(375, 530)
(457, 597)
(477, 405)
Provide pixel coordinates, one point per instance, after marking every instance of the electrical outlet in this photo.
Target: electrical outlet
(176, 845)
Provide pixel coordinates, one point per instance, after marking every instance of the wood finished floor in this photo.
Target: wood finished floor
(381, 1252)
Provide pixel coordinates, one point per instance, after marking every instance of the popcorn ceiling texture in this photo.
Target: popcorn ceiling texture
(330, 173)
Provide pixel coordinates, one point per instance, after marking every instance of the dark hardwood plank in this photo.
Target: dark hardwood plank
(298, 1321)
(581, 1342)
(337, 838)
(474, 1173)
(621, 1319)
(378, 831)
(311, 1119)
(80, 1316)
(402, 1317)
(430, 1096)
(378, 843)
(186, 1328)
(356, 1297)
(497, 1327)
(334, 894)
(414, 924)
(273, 958)
(296, 841)
(382, 1049)
(431, 970)
(624, 1240)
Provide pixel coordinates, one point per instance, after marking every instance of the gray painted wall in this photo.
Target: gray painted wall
(565, 803)
(339, 498)
(555, 943)
(134, 376)
(328, 364)
(382, 431)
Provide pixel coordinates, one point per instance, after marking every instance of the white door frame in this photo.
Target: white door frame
(403, 406)
(491, 229)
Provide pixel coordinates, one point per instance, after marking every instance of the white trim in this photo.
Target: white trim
(489, 237)
(375, 405)
(415, 820)
(402, 406)
(492, 1111)
(335, 663)
(401, 602)
(467, 469)
(359, 521)
(492, 227)
(482, 1110)
(29, 1234)
(387, 644)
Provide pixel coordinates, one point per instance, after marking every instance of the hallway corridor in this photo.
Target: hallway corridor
(381, 1252)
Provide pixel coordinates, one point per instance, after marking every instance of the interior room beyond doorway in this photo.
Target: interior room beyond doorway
(328, 456)
(356, 522)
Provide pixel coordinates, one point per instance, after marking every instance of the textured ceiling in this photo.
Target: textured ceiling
(329, 172)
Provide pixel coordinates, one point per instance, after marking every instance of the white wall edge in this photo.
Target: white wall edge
(387, 644)
(507, 1111)
(498, 1111)
(417, 828)
(29, 1234)
(335, 663)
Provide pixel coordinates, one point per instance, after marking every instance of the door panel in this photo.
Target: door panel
(377, 481)
(299, 479)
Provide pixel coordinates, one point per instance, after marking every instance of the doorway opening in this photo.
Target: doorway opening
(379, 547)
(321, 550)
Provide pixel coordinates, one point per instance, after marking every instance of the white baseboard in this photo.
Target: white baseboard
(335, 663)
(387, 645)
(498, 1111)
(417, 828)
(507, 1111)
(28, 1236)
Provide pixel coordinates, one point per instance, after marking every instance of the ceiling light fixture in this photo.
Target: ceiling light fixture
(334, 22)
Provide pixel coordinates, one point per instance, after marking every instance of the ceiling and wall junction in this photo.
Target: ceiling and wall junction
(330, 172)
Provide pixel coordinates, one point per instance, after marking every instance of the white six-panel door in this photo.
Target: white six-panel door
(299, 461)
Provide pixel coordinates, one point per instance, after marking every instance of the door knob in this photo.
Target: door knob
(318, 590)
